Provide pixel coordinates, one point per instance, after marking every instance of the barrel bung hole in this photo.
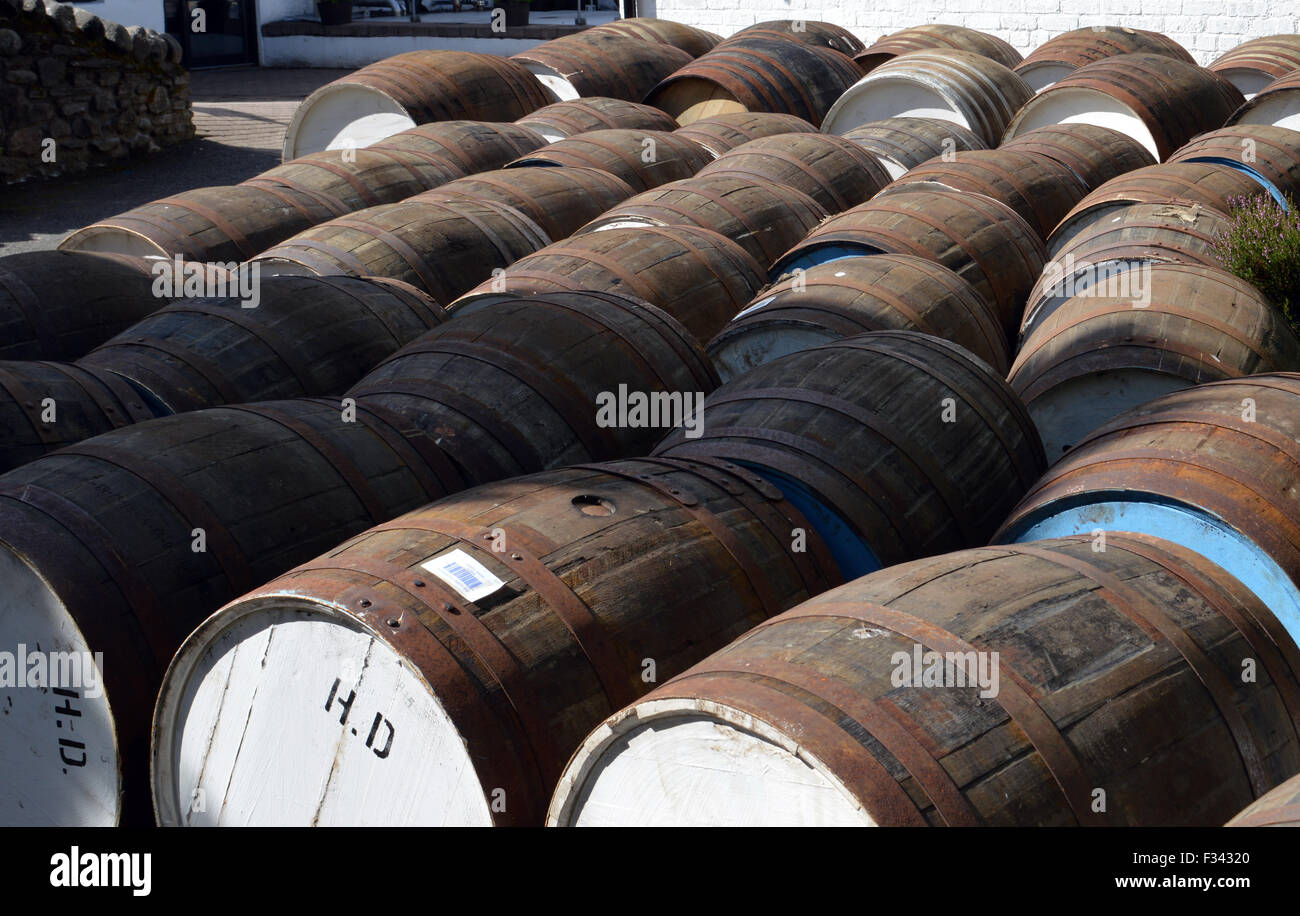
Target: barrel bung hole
(593, 505)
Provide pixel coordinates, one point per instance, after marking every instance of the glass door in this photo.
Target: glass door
(214, 33)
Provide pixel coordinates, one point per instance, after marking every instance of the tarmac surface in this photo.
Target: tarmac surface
(239, 114)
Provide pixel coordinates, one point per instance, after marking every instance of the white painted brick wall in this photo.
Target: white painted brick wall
(1206, 28)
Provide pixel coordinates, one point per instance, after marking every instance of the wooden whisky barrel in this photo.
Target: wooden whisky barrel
(577, 116)
(724, 132)
(1278, 104)
(851, 296)
(443, 248)
(1134, 236)
(1208, 185)
(1280, 807)
(665, 31)
(1059, 57)
(404, 90)
(560, 201)
(516, 387)
(1157, 100)
(757, 74)
(349, 180)
(969, 89)
(983, 241)
(59, 304)
(1148, 331)
(1211, 468)
(644, 159)
(811, 32)
(223, 224)
(765, 218)
(1253, 64)
(695, 275)
(125, 542)
(835, 172)
(1039, 684)
(306, 336)
(461, 148)
(45, 406)
(482, 692)
(901, 444)
(936, 36)
(1094, 154)
(601, 63)
(1270, 155)
(904, 143)
(1039, 189)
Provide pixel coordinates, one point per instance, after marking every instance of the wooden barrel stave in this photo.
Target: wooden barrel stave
(983, 241)
(1157, 100)
(562, 120)
(913, 443)
(695, 275)
(354, 179)
(1117, 677)
(601, 63)
(972, 90)
(764, 218)
(757, 74)
(904, 143)
(404, 90)
(1207, 185)
(128, 540)
(1116, 345)
(810, 32)
(665, 31)
(835, 172)
(60, 304)
(441, 248)
(1253, 64)
(45, 406)
(644, 159)
(1280, 807)
(1209, 467)
(461, 148)
(1039, 189)
(1272, 153)
(560, 201)
(1057, 58)
(1278, 104)
(221, 224)
(722, 133)
(936, 37)
(515, 388)
(584, 621)
(307, 336)
(851, 296)
(1094, 154)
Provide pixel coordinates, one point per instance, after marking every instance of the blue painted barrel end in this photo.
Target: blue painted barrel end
(1182, 523)
(804, 258)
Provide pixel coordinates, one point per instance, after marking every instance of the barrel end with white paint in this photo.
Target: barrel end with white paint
(285, 711)
(58, 744)
(343, 116)
(1076, 105)
(697, 762)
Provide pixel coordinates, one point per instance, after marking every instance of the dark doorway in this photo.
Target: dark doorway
(214, 33)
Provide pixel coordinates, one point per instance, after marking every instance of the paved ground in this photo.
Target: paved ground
(240, 115)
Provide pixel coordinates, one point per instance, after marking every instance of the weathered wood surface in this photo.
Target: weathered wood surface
(1095, 154)
(643, 158)
(586, 618)
(696, 275)
(516, 386)
(722, 133)
(851, 296)
(918, 446)
(577, 116)
(602, 63)
(936, 36)
(1118, 700)
(904, 143)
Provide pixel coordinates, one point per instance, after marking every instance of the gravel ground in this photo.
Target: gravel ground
(240, 115)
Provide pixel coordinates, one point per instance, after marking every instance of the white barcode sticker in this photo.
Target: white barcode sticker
(470, 578)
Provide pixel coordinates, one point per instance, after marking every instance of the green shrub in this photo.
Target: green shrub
(1262, 247)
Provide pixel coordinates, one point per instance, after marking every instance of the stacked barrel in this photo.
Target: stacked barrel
(646, 403)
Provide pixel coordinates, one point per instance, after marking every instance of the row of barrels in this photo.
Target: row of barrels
(1134, 80)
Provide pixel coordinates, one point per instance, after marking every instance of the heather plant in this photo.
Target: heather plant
(1262, 247)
